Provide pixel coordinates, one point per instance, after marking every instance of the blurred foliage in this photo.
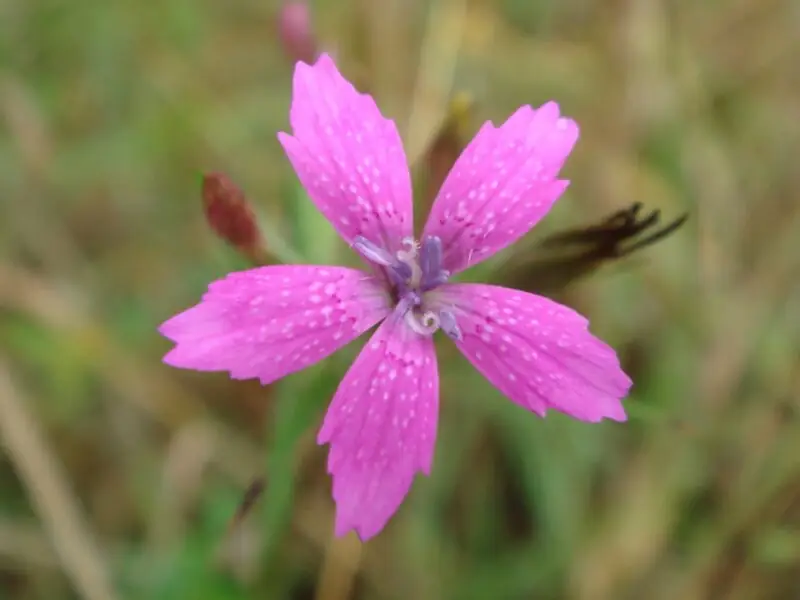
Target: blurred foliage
(121, 475)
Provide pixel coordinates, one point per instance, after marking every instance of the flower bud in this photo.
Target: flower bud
(296, 32)
(230, 216)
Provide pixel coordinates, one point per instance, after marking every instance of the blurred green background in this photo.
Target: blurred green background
(120, 475)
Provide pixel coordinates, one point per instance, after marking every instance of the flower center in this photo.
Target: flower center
(414, 271)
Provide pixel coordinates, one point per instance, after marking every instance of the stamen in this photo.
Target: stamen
(373, 252)
(436, 281)
(448, 324)
(401, 272)
(431, 264)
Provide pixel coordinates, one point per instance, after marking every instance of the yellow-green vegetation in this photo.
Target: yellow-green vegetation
(120, 476)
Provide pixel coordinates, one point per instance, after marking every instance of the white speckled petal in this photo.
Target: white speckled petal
(268, 322)
(349, 157)
(381, 427)
(537, 352)
(502, 185)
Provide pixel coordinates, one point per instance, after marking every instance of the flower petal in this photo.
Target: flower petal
(381, 427)
(348, 156)
(501, 185)
(272, 321)
(538, 353)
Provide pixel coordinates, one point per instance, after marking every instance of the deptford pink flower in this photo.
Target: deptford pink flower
(381, 424)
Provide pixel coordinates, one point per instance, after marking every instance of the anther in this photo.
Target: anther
(448, 324)
(399, 272)
(431, 263)
(373, 252)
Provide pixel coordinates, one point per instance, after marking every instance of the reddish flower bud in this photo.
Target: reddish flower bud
(230, 216)
(296, 32)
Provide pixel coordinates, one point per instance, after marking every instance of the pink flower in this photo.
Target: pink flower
(381, 425)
